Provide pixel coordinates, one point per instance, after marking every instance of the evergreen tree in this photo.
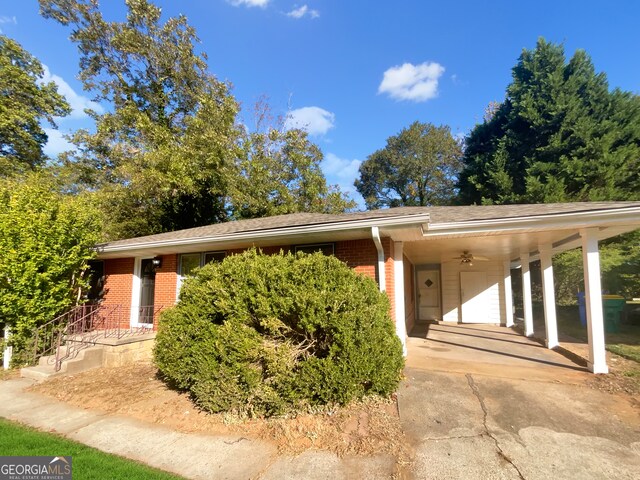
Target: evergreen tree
(560, 135)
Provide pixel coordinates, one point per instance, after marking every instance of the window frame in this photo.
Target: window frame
(201, 263)
(303, 247)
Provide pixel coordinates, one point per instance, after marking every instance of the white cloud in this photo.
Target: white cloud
(302, 11)
(342, 172)
(314, 120)
(56, 143)
(417, 83)
(77, 102)
(460, 136)
(249, 3)
(5, 19)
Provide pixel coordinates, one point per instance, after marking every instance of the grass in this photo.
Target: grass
(625, 342)
(632, 352)
(88, 463)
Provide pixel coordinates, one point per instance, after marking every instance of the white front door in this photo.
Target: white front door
(428, 294)
(474, 297)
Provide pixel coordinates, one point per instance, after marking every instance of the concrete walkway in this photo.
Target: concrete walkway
(189, 455)
(483, 402)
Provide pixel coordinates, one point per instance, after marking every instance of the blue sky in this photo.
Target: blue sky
(356, 72)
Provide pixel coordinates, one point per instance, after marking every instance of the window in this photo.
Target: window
(214, 257)
(325, 248)
(190, 261)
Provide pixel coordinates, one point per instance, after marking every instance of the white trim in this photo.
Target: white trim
(375, 235)
(617, 215)
(8, 350)
(526, 294)
(179, 280)
(548, 296)
(593, 299)
(405, 220)
(398, 280)
(508, 294)
(136, 285)
(135, 293)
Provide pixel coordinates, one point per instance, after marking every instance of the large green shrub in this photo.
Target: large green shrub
(46, 240)
(264, 334)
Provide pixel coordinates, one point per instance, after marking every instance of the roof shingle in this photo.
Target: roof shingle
(437, 215)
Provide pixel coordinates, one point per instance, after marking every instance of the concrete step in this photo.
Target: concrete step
(86, 359)
(39, 373)
(50, 359)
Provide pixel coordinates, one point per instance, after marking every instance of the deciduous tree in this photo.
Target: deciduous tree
(277, 171)
(419, 166)
(25, 102)
(169, 153)
(157, 155)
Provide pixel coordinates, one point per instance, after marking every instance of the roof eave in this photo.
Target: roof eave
(419, 220)
(569, 220)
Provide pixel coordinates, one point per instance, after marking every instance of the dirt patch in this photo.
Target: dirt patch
(9, 374)
(623, 377)
(364, 428)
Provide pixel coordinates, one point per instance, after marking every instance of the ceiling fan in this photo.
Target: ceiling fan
(467, 258)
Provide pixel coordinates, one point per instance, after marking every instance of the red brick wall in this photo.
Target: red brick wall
(387, 246)
(118, 278)
(166, 283)
(117, 287)
(361, 255)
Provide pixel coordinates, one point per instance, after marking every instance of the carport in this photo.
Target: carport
(457, 268)
(485, 349)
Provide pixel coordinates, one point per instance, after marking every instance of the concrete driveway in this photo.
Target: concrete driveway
(483, 402)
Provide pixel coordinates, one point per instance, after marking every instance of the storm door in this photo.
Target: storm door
(147, 291)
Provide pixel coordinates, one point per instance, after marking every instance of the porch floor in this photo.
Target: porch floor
(485, 349)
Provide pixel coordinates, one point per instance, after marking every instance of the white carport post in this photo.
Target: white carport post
(8, 351)
(508, 293)
(526, 294)
(398, 280)
(548, 296)
(593, 299)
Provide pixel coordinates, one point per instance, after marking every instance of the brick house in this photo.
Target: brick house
(450, 264)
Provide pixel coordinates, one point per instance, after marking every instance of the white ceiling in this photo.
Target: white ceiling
(496, 245)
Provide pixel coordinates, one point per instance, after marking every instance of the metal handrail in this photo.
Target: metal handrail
(81, 327)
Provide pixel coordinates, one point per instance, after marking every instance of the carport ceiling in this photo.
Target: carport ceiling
(497, 246)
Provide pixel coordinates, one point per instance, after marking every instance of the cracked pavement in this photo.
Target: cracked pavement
(484, 420)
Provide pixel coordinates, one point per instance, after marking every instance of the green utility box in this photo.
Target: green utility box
(612, 306)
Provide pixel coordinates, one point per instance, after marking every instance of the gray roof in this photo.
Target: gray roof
(437, 215)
